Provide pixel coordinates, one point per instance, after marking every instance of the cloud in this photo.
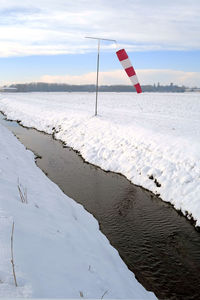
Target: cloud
(152, 76)
(166, 76)
(55, 27)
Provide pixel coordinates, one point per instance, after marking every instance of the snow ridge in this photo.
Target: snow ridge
(153, 139)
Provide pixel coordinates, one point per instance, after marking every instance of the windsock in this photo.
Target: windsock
(126, 64)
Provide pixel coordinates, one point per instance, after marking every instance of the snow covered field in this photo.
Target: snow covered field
(153, 139)
(59, 251)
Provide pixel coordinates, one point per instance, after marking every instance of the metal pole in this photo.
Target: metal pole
(97, 82)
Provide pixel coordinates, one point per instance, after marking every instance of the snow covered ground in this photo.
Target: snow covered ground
(59, 251)
(153, 139)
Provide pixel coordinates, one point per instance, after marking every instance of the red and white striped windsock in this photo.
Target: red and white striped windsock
(126, 64)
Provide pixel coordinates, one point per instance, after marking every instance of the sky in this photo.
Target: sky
(44, 40)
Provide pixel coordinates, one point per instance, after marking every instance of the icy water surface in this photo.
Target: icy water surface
(161, 247)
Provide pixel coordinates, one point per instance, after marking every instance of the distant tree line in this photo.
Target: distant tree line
(58, 87)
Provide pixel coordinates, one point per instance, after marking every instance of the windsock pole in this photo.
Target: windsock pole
(98, 54)
(97, 82)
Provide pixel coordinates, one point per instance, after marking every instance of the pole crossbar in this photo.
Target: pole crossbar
(98, 53)
(97, 38)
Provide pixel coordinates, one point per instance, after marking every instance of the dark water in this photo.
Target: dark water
(161, 247)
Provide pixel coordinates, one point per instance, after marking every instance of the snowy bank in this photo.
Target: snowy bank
(153, 139)
(59, 251)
